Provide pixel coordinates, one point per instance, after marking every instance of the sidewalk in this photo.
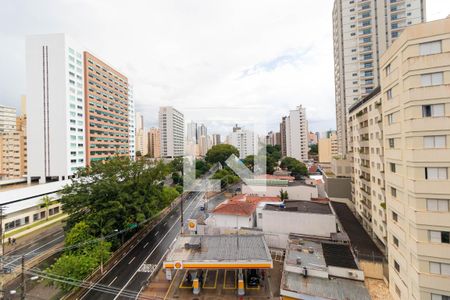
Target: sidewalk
(29, 236)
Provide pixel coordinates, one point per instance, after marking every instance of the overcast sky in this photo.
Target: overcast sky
(219, 62)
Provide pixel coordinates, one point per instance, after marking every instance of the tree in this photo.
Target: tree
(115, 193)
(82, 256)
(249, 162)
(283, 195)
(297, 168)
(176, 165)
(46, 202)
(226, 177)
(201, 167)
(313, 149)
(220, 153)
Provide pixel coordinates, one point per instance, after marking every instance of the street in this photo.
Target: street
(125, 279)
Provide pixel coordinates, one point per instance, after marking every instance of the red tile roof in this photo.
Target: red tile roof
(236, 208)
(242, 204)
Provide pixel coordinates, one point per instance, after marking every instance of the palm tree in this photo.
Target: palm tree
(46, 202)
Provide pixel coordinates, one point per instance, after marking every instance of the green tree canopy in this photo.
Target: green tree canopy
(113, 194)
(220, 153)
(297, 168)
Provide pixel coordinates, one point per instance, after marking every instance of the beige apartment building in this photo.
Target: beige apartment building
(366, 153)
(154, 143)
(13, 150)
(415, 81)
(328, 148)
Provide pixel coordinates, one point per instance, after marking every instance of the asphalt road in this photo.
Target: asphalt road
(13, 258)
(124, 280)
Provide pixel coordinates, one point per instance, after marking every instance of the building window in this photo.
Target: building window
(396, 266)
(388, 69)
(430, 48)
(439, 297)
(437, 205)
(437, 141)
(432, 79)
(440, 237)
(433, 110)
(395, 241)
(439, 268)
(391, 143)
(392, 167)
(394, 216)
(389, 94)
(436, 173)
(393, 192)
(390, 119)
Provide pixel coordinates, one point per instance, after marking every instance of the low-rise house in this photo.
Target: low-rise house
(277, 221)
(238, 211)
(272, 187)
(320, 268)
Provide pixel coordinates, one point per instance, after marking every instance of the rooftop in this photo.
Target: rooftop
(301, 206)
(220, 248)
(361, 241)
(235, 208)
(334, 288)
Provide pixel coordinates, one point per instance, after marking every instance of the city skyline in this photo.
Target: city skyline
(188, 73)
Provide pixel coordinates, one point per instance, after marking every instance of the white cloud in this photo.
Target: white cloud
(193, 54)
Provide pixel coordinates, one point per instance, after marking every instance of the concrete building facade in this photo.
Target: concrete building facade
(7, 118)
(13, 150)
(415, 81)
(328, 148)
(171, 124)
(106, 110)
(362, 31)
(244, 140)
(56, 112)
(154, 143)
(297, 134)
(366, 152)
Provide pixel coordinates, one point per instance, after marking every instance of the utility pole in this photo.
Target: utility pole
(22, 295)
(101, 251)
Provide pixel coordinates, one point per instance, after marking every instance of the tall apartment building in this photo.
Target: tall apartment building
(171, 124)
(7, 118)
(106, 110)
(366, 154)
(132, 122)
(154, 143)
(56, 115)
(415, 88)
(216, 139)
(362, 31)
(294, 134)
(13, 150)
(283, 136)
(77, 108)
(141, 135)
(328, 148)
(243, 140)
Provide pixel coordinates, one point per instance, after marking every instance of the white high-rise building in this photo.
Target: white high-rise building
(56, 112)
(297, 134)
(362, 31)
(171, 124)
(132, 122)
(243, 140)
(7, 118)
(215, 139)
(191, 133)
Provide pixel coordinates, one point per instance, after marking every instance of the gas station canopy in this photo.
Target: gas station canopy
(219, 252)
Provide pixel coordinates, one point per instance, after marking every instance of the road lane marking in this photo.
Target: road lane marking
(170, 286)
(112, 281)
(104, 275)
(162, 239)
(157, 232)
(132, 259)
(145, 245)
